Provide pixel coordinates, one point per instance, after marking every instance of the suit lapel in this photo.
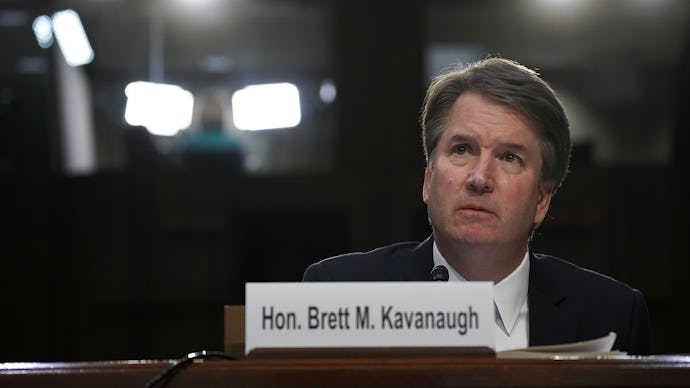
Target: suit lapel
(551, 320)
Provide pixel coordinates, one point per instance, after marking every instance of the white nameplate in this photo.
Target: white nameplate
(369, 314)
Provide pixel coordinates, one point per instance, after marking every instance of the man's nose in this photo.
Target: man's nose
(481, 178)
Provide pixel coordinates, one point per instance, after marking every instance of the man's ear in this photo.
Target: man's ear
(544, 195)
(425, 186)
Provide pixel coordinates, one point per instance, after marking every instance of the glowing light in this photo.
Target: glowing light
(266, 106)
(71, 38)
(163, 109)
(43, 31)
(327, 91)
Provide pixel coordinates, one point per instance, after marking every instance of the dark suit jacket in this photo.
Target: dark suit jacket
(566, 303)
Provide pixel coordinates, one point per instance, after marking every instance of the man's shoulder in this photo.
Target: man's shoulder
(386, 263)
(593, 304)
(384, 252)
(563, 273)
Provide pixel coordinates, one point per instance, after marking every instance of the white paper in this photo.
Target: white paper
(598, 347)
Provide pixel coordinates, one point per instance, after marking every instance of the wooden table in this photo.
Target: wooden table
(655, 371)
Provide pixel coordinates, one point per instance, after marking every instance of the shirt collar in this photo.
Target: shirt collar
(510, 294)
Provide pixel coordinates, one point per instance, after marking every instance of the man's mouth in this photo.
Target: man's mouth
(474, 209)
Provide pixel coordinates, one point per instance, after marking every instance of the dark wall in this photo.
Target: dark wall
(133, 265)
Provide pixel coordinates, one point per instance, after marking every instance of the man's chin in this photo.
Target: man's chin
(470, 238)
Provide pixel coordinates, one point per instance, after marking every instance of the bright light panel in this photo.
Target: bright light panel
(71, 38)
(163, 109)
(266, 106)
(43, 30)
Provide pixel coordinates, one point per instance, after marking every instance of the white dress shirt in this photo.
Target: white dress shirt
(510, 301)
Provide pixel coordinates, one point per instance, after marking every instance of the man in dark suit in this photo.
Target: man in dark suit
(497, 146)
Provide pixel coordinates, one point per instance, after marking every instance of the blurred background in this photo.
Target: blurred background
(130, 219)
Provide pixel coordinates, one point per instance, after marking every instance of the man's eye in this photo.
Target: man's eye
(459, 149)
(510, 158)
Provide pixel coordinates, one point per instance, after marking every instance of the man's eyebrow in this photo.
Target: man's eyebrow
(459, 138)
(456, 138)
(514, 147)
